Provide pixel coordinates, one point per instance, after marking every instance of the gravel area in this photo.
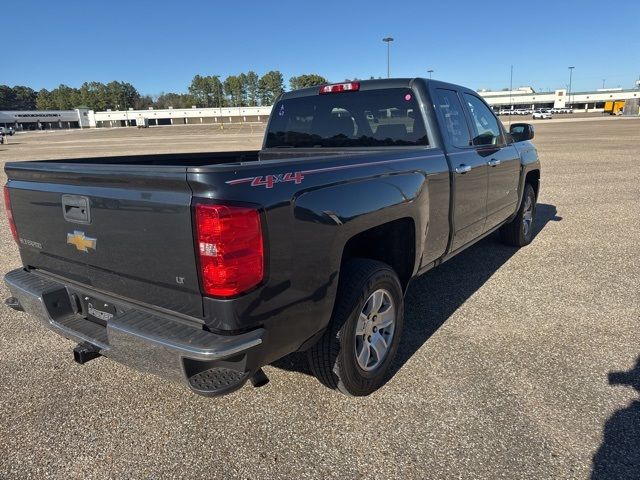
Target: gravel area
(506, 368)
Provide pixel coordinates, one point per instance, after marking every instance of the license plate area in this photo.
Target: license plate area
(97, 310)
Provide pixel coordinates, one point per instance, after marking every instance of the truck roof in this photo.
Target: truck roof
(373, 85)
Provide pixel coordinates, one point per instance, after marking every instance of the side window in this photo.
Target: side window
(487, 131)
(449, 105)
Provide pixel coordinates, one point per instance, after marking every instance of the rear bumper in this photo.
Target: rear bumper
(209, 363)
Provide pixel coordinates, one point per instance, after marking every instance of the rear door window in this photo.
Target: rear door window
(455, 124)
(367, 118)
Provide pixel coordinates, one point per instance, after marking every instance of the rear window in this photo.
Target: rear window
(371, 118)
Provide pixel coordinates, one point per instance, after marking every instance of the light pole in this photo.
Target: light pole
(388, 41)
(570, 78)
(126, 112)
(510, 98)
(429, 72)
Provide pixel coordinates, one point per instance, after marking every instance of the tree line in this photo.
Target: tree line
(243, 90)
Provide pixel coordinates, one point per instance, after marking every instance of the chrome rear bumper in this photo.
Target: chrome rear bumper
(209, 363)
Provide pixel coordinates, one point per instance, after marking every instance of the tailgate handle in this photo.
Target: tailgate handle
(75, 208)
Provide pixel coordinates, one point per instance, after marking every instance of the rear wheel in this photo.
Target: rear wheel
(519, 232)
(361, 341)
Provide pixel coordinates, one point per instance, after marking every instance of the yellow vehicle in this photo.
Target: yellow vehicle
(614, 107)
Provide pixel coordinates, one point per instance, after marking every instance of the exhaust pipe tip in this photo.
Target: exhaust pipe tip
(259, 379)
(85, 352)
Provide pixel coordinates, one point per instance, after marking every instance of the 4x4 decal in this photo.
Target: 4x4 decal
(268, 181)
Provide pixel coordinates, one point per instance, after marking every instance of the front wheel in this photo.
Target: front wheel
(519, 231)
(355, 353)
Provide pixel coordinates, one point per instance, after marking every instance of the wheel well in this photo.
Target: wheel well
(533, 179)
(392, 243)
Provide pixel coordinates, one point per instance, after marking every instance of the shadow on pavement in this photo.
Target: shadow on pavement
(433, 297)
(619, 454)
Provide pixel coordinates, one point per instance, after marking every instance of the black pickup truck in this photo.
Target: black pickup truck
(206, 267)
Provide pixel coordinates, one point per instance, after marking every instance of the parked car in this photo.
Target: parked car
(542, 113)
(7, 131)
(212, 265)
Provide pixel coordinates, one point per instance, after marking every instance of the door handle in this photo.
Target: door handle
(463, 168)
(75, 208)
(493, 162)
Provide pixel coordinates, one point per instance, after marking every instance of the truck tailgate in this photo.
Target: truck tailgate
(123, 229)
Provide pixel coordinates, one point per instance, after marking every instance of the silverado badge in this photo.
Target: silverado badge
(80, 241)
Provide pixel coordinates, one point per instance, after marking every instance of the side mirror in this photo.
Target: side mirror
(521, 132)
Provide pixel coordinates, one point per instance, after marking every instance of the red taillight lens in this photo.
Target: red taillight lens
(230, 249)
(7, 206)
(340, 87)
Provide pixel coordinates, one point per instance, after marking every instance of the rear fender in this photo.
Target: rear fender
(329, 217)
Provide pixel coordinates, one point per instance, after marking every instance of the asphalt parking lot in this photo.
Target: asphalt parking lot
(506, 368)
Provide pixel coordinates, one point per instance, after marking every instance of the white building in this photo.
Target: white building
(45, 119)
(178, 116)
(85, 118)
(592, 101)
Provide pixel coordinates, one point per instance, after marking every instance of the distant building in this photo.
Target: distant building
(45, 119)
(500, 93)
(591, 101)
(179, 116)
(85, 118)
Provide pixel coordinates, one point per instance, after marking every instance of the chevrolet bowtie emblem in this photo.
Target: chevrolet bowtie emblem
(82, 243)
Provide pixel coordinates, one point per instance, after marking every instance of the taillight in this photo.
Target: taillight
(7, 206)
(340, 87)
(230, 249)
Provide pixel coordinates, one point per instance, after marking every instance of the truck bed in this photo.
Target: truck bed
(166, 159)
(141, 217)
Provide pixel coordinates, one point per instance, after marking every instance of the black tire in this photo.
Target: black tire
(515, 233)
(333, 358)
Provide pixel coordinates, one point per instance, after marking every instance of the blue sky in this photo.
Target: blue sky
(160, 45)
